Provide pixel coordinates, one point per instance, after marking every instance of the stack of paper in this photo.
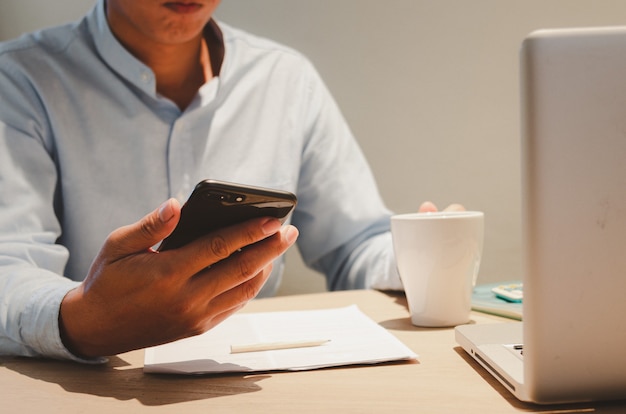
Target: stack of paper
(349, 337)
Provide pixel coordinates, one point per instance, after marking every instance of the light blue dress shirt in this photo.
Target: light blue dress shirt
(87, 145)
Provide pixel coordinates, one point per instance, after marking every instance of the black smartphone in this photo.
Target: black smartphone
(216, 204)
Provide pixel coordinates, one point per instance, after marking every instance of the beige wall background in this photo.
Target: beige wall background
(429, 87)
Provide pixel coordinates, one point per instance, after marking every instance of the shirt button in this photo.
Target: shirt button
(145, 76)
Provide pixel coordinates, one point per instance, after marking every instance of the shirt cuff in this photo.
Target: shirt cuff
(40, 323)
(389, 280)
(385, 274)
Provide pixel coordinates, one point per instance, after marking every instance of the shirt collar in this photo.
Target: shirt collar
(215, 41)
(131, 68)
(115, 55)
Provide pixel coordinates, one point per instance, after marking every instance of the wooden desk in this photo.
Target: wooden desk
(444, 380)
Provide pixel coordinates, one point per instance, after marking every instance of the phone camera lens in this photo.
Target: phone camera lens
(227, 197)
(219, 196)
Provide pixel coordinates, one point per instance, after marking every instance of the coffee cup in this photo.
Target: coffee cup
(438, 256)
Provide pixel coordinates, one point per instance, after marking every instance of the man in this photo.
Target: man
(103, 120)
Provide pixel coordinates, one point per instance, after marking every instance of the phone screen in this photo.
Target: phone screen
(216, 204)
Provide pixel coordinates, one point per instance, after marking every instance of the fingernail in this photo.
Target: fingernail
(166, 212)
(291, 234)
(271, 226)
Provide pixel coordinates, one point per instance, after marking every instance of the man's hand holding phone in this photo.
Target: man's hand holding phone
(135, 297)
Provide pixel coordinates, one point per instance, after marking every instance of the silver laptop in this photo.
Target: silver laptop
(571, 346)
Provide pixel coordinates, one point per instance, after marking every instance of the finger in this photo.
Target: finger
(235, 299)
(427, 207)
(210, 249)
(455, 207)
(148, 231)
(220, 317)
(245, 265)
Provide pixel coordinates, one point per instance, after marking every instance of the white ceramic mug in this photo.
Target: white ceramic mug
(438, 256)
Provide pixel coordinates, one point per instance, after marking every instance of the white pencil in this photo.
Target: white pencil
(270, 346)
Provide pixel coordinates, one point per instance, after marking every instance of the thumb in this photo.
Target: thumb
(148, 231)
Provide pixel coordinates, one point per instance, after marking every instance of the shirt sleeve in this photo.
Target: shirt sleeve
(32, 284)
(343, 222)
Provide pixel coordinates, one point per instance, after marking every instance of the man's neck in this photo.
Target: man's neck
(180, 70)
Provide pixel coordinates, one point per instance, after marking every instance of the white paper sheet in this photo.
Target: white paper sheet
(353, 338)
